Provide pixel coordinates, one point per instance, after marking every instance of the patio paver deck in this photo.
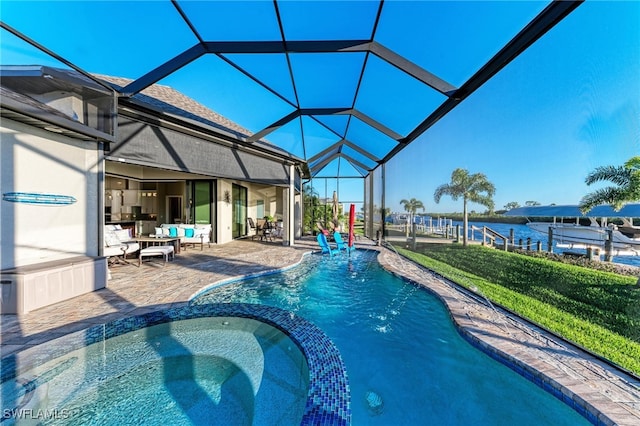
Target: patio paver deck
(133, 290)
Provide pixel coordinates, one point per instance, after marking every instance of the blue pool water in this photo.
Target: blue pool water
(406, 363)
(211, 370)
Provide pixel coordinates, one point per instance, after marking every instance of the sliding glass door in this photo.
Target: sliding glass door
(201, 207)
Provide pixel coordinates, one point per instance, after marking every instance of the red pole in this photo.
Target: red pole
(352, 219)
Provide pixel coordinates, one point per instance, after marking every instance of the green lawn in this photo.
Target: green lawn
(597, 310)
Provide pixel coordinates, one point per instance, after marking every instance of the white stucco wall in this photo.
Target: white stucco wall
(37, 161)
(224, 209)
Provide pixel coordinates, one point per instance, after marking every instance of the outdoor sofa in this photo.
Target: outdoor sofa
(188, 233)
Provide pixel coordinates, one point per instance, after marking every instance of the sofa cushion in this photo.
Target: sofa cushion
(111, 239)
(201, 232)
(123, 234)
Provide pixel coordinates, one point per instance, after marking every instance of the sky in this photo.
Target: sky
(567, 105)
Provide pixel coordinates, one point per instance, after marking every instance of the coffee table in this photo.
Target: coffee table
(160, 241)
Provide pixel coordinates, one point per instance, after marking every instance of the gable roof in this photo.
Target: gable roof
(166, 100)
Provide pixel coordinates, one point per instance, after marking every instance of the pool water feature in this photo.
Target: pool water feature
(223, 370)
(406, 362)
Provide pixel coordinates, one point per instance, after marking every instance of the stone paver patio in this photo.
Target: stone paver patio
(601, 392)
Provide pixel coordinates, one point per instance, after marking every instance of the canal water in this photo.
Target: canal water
(523, 232)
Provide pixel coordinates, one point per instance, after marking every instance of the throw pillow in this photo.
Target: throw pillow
(180, 231)
(158, 231)
(173, 231)
(122, 234)
(189, 232)
(111, 239)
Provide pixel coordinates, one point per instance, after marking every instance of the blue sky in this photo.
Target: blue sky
(569, 104)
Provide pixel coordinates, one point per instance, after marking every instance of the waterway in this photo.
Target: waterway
(522, 232)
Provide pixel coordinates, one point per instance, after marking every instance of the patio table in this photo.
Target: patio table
(159, 241)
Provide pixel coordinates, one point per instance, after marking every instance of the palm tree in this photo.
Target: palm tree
(475, 188)
(412, 207)
(627, 179)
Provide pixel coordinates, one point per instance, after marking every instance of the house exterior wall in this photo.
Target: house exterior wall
(223, 219)
(151, 152)
(33, 160)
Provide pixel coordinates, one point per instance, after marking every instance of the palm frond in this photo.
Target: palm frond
(615, 174)
(609, 195)
(446, 189)
(633, 163)
(484, 200)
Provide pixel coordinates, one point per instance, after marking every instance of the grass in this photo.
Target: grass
(597, 310)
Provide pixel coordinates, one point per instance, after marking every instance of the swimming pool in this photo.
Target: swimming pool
(231, 364)
(405, 360)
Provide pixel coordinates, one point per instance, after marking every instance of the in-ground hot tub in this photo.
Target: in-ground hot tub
(226, 364)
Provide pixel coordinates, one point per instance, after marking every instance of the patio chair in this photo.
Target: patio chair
(268, 231)
(342, 245)
(252, 228)
(324, 245)
(265, 229)
(278, 229)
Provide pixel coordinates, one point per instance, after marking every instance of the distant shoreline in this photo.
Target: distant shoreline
(518, 220)
(487, 218)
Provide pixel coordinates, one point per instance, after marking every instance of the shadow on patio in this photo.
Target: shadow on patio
(133, 290)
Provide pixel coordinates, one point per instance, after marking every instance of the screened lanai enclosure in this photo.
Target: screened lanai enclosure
(377, 101)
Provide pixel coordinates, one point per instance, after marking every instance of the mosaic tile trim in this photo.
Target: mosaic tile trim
(586, 410)
(329, 398)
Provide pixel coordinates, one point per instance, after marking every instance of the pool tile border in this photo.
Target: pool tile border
(328, 400)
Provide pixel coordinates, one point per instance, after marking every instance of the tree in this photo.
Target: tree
(627, 179)
(310, 200)
(412, 207)
(531, 203)
(511, 205)
(313, 209)
(627, 189)
(475, 188)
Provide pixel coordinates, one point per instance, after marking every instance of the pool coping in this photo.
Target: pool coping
(601, 393)
(328, 400)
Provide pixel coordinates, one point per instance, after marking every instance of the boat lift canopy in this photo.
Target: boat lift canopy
(629, 210)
